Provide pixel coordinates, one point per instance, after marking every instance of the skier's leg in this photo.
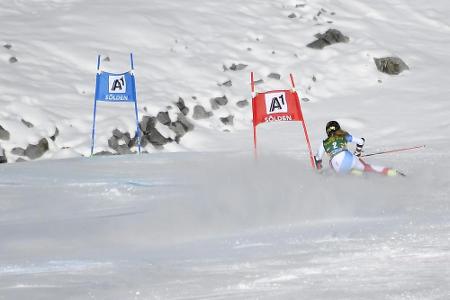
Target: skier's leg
(358, 167)
(365, 167)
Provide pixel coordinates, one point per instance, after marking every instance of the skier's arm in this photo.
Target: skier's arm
(359, 143)
(318, 157)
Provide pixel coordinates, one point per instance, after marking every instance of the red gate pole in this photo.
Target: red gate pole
(303, 123)
(253, 109)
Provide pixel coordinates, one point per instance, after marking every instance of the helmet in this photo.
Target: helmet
(332, 127)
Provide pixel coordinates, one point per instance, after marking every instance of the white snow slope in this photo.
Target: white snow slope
(202, 219)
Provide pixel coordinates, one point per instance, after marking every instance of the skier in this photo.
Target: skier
(341, 159)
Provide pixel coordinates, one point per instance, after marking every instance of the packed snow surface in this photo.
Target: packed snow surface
(203, 219)
(220, 226)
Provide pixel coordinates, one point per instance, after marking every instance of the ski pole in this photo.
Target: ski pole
(394, 150)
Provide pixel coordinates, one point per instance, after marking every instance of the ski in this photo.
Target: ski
(400, 173)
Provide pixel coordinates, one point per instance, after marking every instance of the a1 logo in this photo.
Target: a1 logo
(117, 84)
(276, 103)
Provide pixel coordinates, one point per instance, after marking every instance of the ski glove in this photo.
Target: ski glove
(359, 147)
(318, 163)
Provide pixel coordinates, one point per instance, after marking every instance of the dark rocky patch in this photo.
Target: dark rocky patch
(218, 101)
(36, 151)
(113, 143)
(117, 133)
(18, 151)
(274, 76)
(182, 107)
(201, 113)
(7, 46)
(238, 67)
(4, 134)
(391, 65)
(163, 118)
(151, 134)
(188, 126)
(242, 103)
(156, 138)
(331, 36)
(13, 59)
(229, 120)
(147, 123)
(55, 135)
(130, 141)
(227, 83)
(179, 130)
(121, 142)
(123, 149)
(181, 126)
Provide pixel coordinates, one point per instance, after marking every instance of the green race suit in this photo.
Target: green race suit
(337, 143)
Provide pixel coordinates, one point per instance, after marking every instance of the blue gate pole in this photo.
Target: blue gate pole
(95, 105)
(131, 60)
(138, 130)
(93, 128)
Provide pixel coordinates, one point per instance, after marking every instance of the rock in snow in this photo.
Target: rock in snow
(4, 134)
(147, 123)
(218, 101)
(331, 36)
(36, 151)
(201, 113)
(229, 120)
(391, 65)
(163, 118)
(182, 107)
(183, 120)
(274, 76)
(242, 103)
(238, 67)
(18, 151)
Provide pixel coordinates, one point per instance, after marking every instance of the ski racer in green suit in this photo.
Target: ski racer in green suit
(342, 160)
